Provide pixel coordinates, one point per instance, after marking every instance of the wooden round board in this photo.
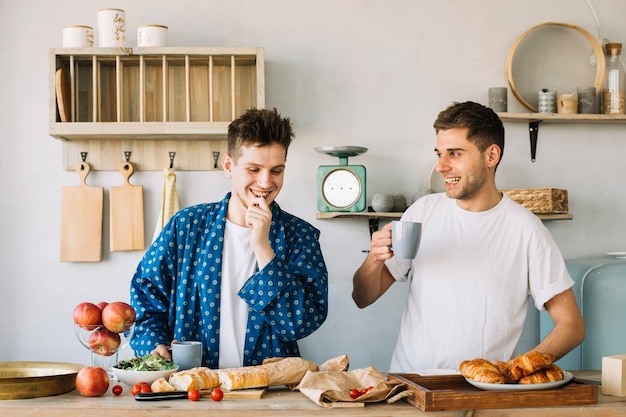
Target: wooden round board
(36, 379)
(63, 91)
(553, 55)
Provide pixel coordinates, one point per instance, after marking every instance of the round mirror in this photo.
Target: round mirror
(554, 56)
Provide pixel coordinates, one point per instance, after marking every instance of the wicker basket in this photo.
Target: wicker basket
(540, 200)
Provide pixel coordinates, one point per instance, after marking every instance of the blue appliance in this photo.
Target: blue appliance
(600, 289)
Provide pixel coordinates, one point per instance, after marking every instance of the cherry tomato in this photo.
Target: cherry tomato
(355, 393)
(117, 390)
(144, 384)
(145, 388)
(217, 394)
(136, 389)
(193, 395)
(364, 391)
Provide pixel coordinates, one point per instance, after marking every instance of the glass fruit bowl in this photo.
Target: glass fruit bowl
(103, 344)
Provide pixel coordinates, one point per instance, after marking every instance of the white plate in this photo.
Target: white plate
(617, 254)
(567, 377)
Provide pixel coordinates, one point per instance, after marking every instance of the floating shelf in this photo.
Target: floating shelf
(374, 217)
(534, 119)
(561, 118)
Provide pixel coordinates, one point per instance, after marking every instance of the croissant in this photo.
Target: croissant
(551, 373)
(481, 370)
(525, 364)
(502, 366)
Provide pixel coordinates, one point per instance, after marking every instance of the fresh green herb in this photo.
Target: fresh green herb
(146, 363)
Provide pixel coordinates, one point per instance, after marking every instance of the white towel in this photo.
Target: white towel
(170, 204)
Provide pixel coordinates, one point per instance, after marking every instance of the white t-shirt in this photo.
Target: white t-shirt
(471, 281)
(238, 264)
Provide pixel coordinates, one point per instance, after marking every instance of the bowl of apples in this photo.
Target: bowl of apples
(104, 329)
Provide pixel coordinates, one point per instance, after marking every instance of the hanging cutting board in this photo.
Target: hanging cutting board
(81, 220)
(126, 207)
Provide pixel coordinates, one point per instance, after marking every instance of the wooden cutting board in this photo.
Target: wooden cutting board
(81, 220)
(126, 213)
(63, 92)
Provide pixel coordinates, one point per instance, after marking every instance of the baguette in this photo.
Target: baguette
(195, 378)
(241, 378)
(161, 385)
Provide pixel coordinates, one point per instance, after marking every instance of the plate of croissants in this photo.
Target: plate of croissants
(529, 371)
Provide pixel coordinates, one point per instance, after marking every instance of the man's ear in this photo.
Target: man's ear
(493, 155)
(227, 164)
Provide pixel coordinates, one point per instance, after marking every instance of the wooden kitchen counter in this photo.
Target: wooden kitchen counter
(276, 402)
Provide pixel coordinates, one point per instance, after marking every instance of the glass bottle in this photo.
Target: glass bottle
(613, 90)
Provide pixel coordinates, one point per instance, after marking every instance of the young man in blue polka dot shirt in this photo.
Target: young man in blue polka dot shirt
(241, 275)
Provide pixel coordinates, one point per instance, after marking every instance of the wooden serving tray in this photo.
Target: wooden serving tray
(453, 392)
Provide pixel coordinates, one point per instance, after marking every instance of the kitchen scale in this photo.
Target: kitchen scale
(341, 187)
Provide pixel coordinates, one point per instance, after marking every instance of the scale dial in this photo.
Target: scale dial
(341, 188)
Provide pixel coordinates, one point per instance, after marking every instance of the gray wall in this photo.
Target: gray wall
(365, 73)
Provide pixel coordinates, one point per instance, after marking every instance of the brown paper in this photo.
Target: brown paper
(328, 387)
(287, 371)
(340, 363)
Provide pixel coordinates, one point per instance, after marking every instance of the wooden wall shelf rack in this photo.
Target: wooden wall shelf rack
(150, 102)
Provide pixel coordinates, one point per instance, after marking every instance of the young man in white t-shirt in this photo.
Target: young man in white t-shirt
(481, 257)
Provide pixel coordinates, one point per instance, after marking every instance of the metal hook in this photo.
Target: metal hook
(216, 155)
(172, 156)
(83, 156)
(127, 155)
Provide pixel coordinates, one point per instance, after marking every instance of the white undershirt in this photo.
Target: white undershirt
(238, 264)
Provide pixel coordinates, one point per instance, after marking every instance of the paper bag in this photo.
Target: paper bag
(287, 371)
(328, 387)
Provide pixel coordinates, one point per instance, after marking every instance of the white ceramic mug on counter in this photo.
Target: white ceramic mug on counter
(187, 354)
(405, 239)
(151, 35)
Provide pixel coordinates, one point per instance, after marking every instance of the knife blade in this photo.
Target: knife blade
(159, 396)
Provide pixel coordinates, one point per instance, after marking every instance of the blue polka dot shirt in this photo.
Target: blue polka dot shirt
(176, 287)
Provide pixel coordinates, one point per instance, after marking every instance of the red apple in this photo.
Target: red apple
(118, 316)
(88, 316)
(92, 381)
(102, 304)
(104, 342)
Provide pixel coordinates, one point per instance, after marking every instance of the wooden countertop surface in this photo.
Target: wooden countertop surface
(276, 402)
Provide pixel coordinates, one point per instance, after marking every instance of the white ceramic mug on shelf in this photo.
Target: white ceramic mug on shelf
(111, 28)
(77, 36)
(151, 35)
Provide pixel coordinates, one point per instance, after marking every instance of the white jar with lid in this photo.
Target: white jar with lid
(151, 35)
(111, 28)
(77, 36)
